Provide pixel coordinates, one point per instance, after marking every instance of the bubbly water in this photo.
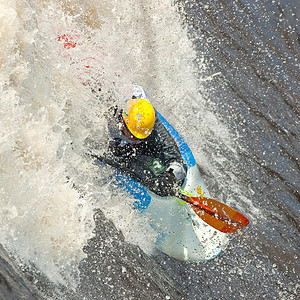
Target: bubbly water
(68, 231)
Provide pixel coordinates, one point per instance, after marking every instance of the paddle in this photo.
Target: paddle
(216, 214)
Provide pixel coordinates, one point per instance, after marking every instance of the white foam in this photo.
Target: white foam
(47, 112)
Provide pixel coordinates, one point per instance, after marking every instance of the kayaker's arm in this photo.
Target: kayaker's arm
(163, 184)
(165, 147)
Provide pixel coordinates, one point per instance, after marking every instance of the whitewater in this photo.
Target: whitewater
(226, 81)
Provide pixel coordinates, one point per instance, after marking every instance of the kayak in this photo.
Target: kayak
(181, 234)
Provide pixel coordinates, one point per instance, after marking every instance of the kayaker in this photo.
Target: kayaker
(141, 146)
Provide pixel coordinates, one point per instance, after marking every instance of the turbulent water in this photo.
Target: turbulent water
(225, 74)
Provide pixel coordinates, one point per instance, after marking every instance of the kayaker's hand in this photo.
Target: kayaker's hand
(167, 184)
(164, 185)
(178, 170)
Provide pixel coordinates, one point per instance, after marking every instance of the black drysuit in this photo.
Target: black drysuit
(149, 160)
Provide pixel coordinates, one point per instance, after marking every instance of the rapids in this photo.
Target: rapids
(225, 74)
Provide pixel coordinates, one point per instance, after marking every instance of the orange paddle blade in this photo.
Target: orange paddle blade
(218, 215)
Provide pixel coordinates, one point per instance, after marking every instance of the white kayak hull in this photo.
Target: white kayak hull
(182, 234)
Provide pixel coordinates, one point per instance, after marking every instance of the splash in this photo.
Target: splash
(62, 65)
(44, 220)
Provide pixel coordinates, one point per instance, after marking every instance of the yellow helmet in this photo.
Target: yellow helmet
(139, 118)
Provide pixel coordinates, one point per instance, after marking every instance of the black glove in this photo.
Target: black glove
(165, 185)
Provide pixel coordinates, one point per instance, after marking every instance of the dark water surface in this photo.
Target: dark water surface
(251, 49)
(253, 46)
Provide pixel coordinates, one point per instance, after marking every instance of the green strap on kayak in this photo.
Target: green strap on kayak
(185, 193)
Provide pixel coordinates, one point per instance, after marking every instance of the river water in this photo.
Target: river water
(225, 74)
